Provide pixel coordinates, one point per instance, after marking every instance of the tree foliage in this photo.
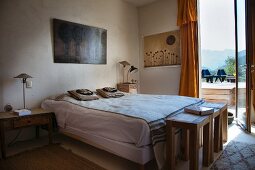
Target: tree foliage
(230, 66)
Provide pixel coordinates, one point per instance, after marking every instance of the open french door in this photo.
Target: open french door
(243, 65)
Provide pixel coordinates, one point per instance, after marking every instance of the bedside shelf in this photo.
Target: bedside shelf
(10, 121)
(127, 87)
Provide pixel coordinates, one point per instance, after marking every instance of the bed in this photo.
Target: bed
(120, 125)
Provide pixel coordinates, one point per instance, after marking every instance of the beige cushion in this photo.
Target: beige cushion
(105, 94)
(60, 97)
(82, 97)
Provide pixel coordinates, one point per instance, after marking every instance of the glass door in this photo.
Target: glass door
(242, 66)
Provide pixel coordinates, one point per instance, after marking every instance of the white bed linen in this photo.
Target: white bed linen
(140, 155)
(108, 125)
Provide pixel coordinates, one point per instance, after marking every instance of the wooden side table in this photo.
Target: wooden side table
(11, 121)
(193, 123)
(127, 87)
(219, 127)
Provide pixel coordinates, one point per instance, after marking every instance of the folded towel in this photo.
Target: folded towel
(22, 112)
(110, 89)
(84, 91)
(82, 97)
(105, 94)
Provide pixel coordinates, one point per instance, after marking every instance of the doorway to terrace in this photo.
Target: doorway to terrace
(226, 57)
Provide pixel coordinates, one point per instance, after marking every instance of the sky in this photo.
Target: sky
(217, 24)
(241, 25)
(217, 30)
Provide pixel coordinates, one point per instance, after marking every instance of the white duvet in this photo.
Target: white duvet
(135, 119)
(100, 123)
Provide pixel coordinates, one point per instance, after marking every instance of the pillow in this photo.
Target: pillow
(106, 94)
(82, 97)
(58, 96)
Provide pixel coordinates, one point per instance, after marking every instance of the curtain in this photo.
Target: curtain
(187, 21)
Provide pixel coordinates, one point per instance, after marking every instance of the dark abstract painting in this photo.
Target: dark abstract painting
(76, 43)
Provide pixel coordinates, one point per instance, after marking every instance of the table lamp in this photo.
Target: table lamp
(132, 69)
(24, 78)
(124, 64)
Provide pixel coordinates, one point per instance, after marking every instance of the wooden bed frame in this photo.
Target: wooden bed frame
(224, 115)
(76, 137)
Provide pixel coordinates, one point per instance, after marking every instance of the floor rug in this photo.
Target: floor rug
(236, 156)
(51, 157)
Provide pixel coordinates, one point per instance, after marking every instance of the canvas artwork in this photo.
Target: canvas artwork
(76, 43)
(162, 49)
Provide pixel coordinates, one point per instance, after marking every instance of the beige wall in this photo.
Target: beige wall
(154, 18)
(26, 46)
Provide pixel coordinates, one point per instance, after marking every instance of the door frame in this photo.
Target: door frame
(248, 68)
(249, 56)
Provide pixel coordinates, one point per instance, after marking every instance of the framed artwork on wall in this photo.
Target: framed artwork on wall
(76, 43)
(162, 49)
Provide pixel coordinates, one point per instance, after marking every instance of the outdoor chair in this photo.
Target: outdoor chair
(231, 78)
(207, 75)
(221, 75)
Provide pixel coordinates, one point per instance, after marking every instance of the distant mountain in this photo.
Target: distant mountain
(242, 53)
(213, 59)
(242, 57)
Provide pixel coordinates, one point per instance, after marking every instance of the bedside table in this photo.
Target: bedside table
(127, 87)
(11, 121)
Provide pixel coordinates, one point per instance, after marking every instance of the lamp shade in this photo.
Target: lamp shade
(23, 76)
(124, 63)
(133, 69)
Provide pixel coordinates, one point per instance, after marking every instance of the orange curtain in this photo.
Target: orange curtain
(187, 20)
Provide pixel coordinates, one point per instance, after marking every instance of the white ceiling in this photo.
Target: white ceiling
(139, 2)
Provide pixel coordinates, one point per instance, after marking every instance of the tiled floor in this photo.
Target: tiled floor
(236, 133)
(110, 161)
(253, 128)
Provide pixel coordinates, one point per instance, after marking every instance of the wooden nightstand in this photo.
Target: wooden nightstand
(127, 87)
(11, 121)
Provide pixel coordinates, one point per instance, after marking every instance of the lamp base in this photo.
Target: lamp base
(128, 83)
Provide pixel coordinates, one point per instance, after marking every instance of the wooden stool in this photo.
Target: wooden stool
(219, 128)
(192, 123)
